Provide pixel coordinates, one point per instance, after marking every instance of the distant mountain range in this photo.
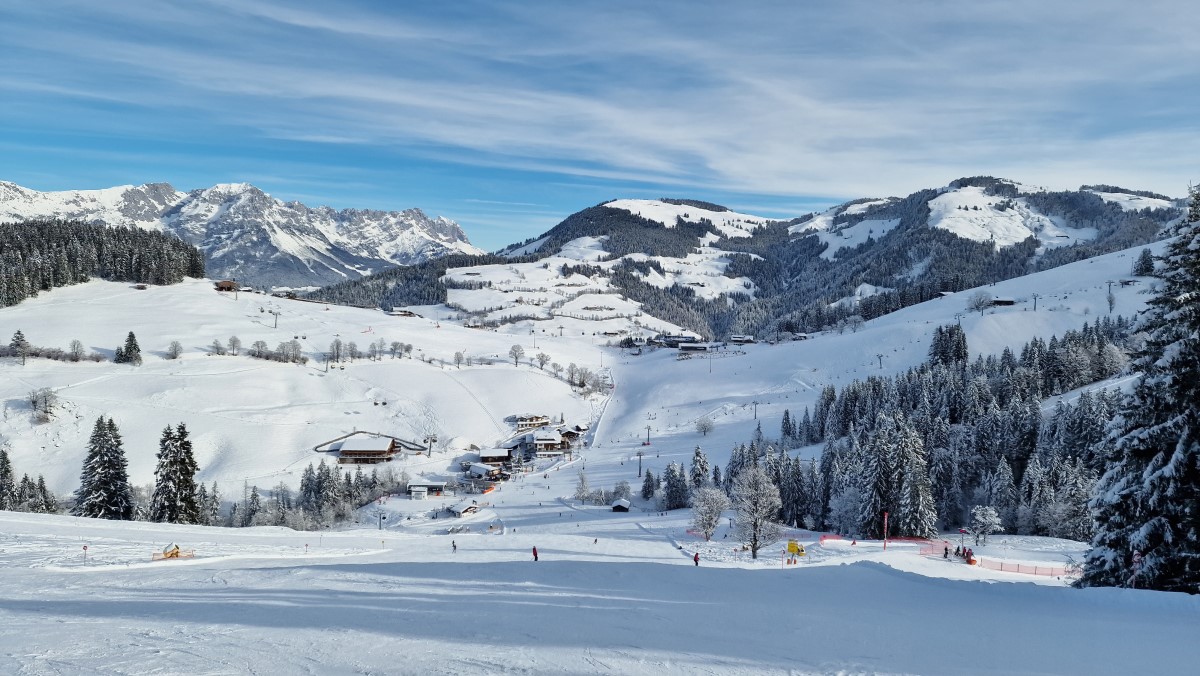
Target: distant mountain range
(246, 234)
(706, 268)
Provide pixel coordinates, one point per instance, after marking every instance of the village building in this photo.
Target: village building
(531, 421)
(463, 508)
(495, 456)
(367, 448)
(478, 470)
(226, 285)
(620, 505)
(419, 489)
(741, 339)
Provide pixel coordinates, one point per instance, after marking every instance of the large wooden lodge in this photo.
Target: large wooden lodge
(367, 448)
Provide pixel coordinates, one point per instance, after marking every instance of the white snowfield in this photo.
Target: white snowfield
(605, 596)
(612, 592)
(728, 223)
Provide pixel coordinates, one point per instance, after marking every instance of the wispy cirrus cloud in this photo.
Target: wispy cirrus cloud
(781, 102)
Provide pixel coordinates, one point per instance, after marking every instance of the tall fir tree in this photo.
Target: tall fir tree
(699, 469)
(174, 498)
(104, 490)
(8, 487)
(1147, 504)
(649, 485)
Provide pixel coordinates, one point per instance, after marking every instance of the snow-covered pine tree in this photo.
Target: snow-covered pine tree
(47, 503)
(1147, 504)
(880, 478)
(251, 507)
(1034, 495)
(213, 517)
(1144, 265)
(131, 350)
(649, 485)
(104, 490)
(174, 498)
(8, 488)
(675, 492)
(699, 468)
(916, 513)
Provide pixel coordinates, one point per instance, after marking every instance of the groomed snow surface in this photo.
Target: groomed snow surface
(611, 593)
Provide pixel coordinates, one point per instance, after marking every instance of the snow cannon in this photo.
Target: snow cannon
(172, 551)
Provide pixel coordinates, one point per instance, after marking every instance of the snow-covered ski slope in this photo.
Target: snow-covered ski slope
(611, 593)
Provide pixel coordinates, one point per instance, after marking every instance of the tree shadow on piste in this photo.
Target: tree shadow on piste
(758, 617)
(553, 604)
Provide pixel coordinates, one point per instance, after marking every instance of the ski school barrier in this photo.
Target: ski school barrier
(1025, 568)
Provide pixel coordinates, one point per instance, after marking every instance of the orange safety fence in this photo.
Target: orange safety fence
(1026, 568)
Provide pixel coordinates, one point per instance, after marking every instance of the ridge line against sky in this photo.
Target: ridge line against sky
(509, 116)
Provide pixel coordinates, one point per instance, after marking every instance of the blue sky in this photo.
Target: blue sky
(508, 116)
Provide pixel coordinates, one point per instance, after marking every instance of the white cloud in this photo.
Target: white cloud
(857, 98)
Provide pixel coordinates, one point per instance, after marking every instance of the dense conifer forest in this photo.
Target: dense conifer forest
(41, 255)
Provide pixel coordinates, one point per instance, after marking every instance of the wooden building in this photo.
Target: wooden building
(367, 448)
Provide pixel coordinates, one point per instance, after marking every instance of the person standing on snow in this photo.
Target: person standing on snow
(453, 546)
(535, 554)
(696, 558)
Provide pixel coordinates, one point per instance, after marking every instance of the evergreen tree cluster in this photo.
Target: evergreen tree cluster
(930, 444)
(40, 255)
(327, 496)
(1147, 502)
(25, 495)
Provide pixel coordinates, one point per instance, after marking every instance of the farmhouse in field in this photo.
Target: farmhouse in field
(367, 448)
(226, 285)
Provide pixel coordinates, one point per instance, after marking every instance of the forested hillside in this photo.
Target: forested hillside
(41, 255)
(975, 231)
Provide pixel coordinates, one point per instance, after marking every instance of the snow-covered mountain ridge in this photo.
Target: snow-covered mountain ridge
(250, 236)
(717, 272)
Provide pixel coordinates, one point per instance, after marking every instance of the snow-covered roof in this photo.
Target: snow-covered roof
(363, 443)
(477, 468)
(464, 506)
(620, 502)
(494, 453)
(422, 483)
(547, 435)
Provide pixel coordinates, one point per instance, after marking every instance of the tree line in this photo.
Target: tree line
(39, 255)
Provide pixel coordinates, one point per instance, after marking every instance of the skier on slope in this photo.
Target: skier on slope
(535, 558)
(696, 558)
